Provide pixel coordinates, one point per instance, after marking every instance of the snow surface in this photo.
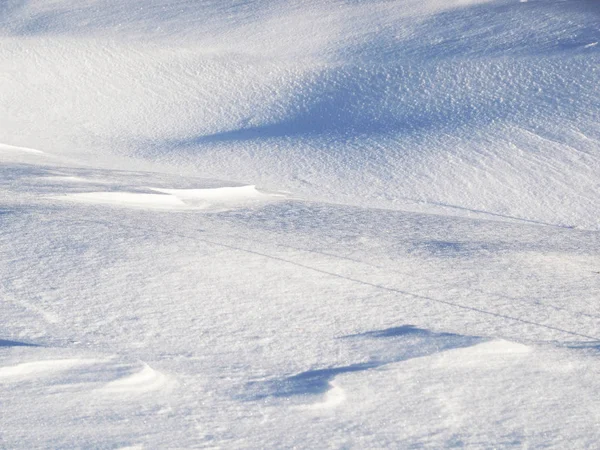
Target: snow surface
(310, 224)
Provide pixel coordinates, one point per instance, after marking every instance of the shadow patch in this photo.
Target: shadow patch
(7, 343)
(401, 343)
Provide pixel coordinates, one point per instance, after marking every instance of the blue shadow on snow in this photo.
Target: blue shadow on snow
(412, 342)
(6, 343)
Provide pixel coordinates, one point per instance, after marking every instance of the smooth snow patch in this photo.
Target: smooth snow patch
(485, 353)
(13, 148)
(131, 199)
(219, 197)
(41, 367)
(72, 179)
(210, 198)
(222, 194)
(498, 347)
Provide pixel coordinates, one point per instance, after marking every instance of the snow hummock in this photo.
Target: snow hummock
(144, 380)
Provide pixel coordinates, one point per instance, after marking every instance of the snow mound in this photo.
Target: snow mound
(145, 379)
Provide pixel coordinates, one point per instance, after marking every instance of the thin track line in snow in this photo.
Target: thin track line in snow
(574, 313)
(477, 213)
(354, 280)
(507, 218)
(400, 291)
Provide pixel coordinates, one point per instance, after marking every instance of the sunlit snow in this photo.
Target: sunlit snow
(299, 224)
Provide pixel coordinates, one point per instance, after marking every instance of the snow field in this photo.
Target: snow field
(298, 318)
(299, 224)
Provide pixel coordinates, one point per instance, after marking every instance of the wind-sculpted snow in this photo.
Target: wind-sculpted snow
(299, 224)
(152, 328)
(467, 105)
(177, 199)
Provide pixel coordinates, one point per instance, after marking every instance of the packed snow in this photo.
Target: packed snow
(299, 224)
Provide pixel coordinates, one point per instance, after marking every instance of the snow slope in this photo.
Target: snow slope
(462, 105)
(405, 252)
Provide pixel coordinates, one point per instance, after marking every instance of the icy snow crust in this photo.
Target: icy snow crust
(405, 252)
